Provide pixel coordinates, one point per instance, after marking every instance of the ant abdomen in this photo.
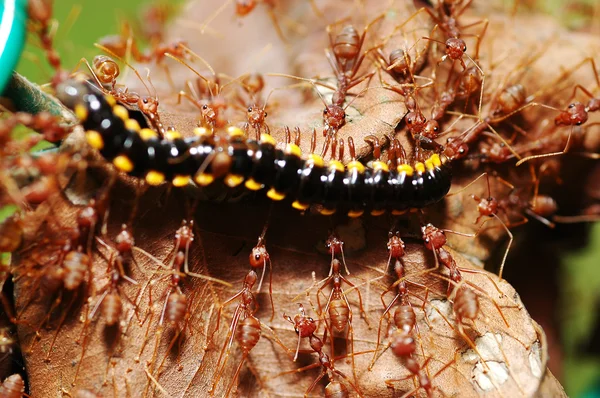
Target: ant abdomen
(112, 307)
(512, 98)
(106, 69)
(466, 304)
(12, 387)
(405, 318)
(346, 43)
(339, 313)
(403, 344)
(176, 308)
(75, 265)
(248, 333)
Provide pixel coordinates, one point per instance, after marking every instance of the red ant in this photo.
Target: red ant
(105, 72)
(245, 328)
(306, 327)
(259, 258)
(404, 315)
(212, 109)
(338, 308)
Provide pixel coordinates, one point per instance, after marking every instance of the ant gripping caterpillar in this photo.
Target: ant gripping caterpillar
(138, 151)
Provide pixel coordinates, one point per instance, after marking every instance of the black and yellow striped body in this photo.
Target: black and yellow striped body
(354, 188)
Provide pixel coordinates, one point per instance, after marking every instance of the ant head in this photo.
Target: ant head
(244, 7)
(256, 114)
(334, 116)
(431, 129)
(487, 206)
(433, 237)
(258, 256)
(455, 48)
(414, 120)
(148, 105)
(456, 148)
(124, 240)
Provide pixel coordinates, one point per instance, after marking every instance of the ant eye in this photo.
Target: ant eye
(145, 100)
(257, 256)
(571, 105)
(265, 114)
(464, 48)
(250, 109)
(325, 111)
(205, 107)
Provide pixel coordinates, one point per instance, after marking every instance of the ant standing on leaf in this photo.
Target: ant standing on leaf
(306, 327)
(245, 328)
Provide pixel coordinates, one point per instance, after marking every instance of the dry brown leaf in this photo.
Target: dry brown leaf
(141, 358)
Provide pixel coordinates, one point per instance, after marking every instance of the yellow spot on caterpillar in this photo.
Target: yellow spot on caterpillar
(293, 149)
(267, 139)
(172, 135)
(338, 166)
(327, 212)
(429, 165)
(380, 166)
(274, 195)
(377, 213)
(94, 139)
(121, 112)
(155, 177)
(316, 160)
(110, 100)
(204, 179)
(355, 213)
(202, 132)
(81, 112)
(407, 169)
(180, 181)
(132, 124)
(300, 206)
(234, 131)
(253, 185)
(233, 180)
(123, 163)
(148, 134)
(435, 159)
(356, 165)
(420, 167)
(398, 212)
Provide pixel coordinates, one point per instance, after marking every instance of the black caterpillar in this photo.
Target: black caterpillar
(140, 152)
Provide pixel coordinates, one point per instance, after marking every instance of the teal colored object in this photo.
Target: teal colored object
(13, 26)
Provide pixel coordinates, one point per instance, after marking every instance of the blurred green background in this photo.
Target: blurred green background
(578, 277)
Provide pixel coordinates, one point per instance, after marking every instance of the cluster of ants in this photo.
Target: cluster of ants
(62, 258)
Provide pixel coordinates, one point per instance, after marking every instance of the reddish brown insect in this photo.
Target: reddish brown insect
(245, 328)
(337, 308)
(306, 327)
(260, 258)
(105, 72)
